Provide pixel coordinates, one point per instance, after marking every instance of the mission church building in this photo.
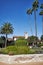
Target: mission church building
(25, 36)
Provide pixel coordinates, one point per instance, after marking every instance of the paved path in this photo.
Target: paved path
(15, 59)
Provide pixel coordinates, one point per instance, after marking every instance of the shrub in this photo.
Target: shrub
(11, 53)
(4, 51)
(31, 51)
(14, 50)
(23, 50)
(40, 44)
(21, 43)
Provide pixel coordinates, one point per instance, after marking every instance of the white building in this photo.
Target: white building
(26, 35)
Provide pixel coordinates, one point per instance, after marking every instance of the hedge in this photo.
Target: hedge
(14, 50)
(21, 42)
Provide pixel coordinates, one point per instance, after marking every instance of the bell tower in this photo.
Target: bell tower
(25, 35)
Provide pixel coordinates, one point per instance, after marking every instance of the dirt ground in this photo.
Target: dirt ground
(32, 63)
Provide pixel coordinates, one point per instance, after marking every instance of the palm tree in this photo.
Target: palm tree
(29, 12)
(6, 29)
(41, 13)
(35, 6)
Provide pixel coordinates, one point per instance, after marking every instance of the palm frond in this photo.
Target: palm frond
(35, 4)
(41, 12)
(6, 28)
(41, 6)
(29, 11)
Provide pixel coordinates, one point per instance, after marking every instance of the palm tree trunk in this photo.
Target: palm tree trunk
(42, 24)
(6, 41)
(35, 25)
(31, 28)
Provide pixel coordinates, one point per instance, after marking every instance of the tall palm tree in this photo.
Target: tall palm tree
(35, 6)
(29, 12)
(6, 29)
(41, 13)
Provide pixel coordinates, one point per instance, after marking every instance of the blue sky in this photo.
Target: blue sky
(14, 11)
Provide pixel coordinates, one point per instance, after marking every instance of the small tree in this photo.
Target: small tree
(32, 40)
(6, 29)
(41, 37)
(2, 41)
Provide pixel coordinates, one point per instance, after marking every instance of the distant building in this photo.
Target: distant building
(24, 37)
(10, 39)
(17, 37)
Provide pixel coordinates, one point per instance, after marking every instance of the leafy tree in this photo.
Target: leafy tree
(2, 41)
(41, 37)
(6, 29)
(32, 39)
(3, 37)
